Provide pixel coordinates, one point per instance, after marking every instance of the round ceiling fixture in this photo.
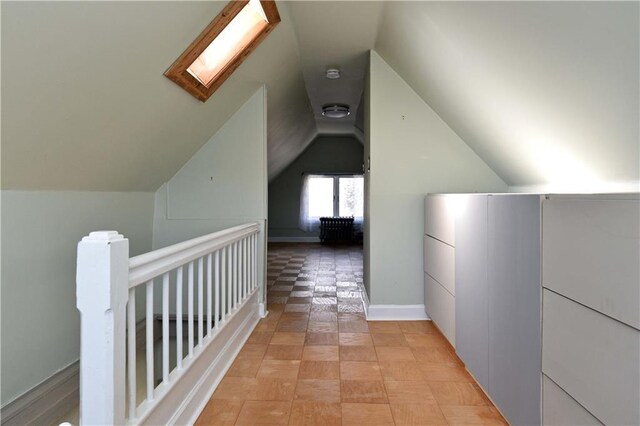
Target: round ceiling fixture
(333, 73)
(336, 111)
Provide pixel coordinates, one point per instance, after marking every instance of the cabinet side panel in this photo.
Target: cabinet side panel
(472, 309)
(514, 306)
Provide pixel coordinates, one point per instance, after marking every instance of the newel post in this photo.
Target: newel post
(102, 290)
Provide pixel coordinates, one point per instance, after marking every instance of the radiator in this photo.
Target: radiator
(336, 229)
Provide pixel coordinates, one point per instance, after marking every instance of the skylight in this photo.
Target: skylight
(223, 45)
(241, 31)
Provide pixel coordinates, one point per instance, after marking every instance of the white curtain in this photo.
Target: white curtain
(353, 192)
(307, 223)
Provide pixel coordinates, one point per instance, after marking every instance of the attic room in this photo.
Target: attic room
(168, 221)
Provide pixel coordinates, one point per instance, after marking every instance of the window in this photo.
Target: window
(331, 196)
(223, 46)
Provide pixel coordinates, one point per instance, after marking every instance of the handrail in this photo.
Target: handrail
(147, 266)
(208, 284)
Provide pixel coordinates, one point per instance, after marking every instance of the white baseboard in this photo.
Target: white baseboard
(364, 296)
(262, 310)
(396, 313)
(47, 402)
(294, 239)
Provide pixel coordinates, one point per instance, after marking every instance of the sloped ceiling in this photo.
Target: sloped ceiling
(335, 34)
(547, 93)
(85, 105)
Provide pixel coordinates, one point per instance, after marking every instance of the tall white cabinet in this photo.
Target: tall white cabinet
(545, 301)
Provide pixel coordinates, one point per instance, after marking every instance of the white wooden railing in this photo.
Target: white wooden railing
(200, 285)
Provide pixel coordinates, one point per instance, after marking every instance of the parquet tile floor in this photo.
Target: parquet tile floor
(315, 360)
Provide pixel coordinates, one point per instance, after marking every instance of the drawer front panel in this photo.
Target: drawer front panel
(439, 219)
(439, 262)
(595, 359)
(441, 306)
(591, 254)
(559, 409)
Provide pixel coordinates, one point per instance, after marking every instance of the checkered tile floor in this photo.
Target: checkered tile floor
(314, 279)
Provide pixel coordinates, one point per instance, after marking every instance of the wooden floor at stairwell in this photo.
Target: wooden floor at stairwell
(315, 360)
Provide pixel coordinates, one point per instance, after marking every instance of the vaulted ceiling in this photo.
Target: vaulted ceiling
(538, 90)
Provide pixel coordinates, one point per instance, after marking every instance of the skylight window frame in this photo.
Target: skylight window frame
(178, 73)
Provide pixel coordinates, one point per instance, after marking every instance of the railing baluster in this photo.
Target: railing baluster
(165, 327)
(252, 256)
(245, 265)
(248, 265)
(230, 280)
(200, 300)
(240, 271)
(179, 323)
(255, 260)
(217, 289)
(131, 353)
(235, 275)
(190, 306)
(223, 281)
(209, 295)
(149, 341)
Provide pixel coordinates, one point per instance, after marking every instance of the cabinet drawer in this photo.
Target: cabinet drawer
(441, 307)
(439, 221)
(594, 358)
(439, 262)
(559, 409)
(591, 253)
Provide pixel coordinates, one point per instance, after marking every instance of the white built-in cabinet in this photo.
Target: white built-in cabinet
(542, 301)
(496, 309)
(591, 309)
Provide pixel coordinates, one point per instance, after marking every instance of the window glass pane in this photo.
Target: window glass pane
(351, 196)
(236, 36)
(321, 196)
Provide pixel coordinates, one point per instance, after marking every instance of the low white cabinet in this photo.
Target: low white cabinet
(482, 289)
(591, 308)
(497, 264)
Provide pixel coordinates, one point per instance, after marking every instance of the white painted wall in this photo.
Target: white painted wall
(40, 232)
(547, 93)
(224, 184)
(413, 152)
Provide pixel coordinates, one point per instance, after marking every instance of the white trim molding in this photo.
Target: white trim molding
(396, 313)
(364, 296)
(47, 402)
